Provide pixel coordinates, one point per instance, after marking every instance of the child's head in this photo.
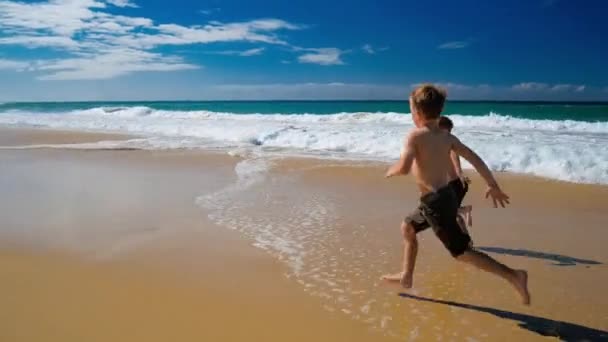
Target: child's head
(445, 123)
(426, 103)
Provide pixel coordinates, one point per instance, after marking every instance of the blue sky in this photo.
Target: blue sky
(274, 49)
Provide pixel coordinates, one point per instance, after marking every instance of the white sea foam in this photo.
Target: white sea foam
(302, 230)
(565, 150)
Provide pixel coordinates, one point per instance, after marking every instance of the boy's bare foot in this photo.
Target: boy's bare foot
(401, 278)
(407, 280)
(521, 285)
(392, 278)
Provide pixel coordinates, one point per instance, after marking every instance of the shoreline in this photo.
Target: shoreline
(11, 137)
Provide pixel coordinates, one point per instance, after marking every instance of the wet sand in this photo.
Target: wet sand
(32, 136)
(158, 245)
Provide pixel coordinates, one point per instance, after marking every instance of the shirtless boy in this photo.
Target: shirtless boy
(430, 148)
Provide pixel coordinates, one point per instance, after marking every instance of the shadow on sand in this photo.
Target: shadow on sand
(558, 260)
(543, 326)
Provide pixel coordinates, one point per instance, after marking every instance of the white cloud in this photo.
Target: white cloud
(369, 49)
(454, 45)
(245, 53)
(260, 31)
(372, 50)
(109, 64)
(305, 91)
(252, 52)
(464, 91)
(61, 17)
(210, 11)
(568, 87)
(122, 3)
(119, 90)
(545, 87)
(7, 64)
(321, 56)
(561, 87)
(40, 41)
(90, 35)
(526, 86)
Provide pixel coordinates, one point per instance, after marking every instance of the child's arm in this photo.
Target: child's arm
(456, 162)
(494, 191)
(404, 165)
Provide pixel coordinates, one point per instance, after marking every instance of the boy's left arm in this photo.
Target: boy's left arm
(404, 165)
(456, 162)
(494, 191)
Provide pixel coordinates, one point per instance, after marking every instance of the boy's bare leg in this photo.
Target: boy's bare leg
(517, 278)
(410, 251)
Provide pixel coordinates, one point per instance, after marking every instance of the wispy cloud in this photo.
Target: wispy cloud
(122, 3)
(538, 86)
(372, 50)
(569, 87)
(305, 91)
(459, 44)
(60, 42)
(210, 11)
(259, 31)
(244, 53)
(460, 90)
(13, 65)
(109, 64)
(322, 56)
(525, 86)
(368, 49)
(103, 45)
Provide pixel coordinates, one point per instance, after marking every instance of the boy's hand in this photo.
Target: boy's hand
(497, 196)
(391, 172)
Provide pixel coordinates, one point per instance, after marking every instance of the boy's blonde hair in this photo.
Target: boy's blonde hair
(428, 100)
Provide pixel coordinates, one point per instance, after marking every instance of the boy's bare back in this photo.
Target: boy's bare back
(431, 148)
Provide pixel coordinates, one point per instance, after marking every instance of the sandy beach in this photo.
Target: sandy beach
(130, 245)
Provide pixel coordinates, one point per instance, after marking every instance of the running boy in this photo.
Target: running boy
(427, 153)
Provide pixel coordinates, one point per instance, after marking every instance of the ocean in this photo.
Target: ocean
(561, 141)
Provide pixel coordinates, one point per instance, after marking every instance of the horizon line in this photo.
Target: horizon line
(307, 100)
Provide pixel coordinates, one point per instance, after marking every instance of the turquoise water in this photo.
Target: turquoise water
(591, 112)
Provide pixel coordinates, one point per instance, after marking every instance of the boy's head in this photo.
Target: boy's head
(426, 103)
(445, 123)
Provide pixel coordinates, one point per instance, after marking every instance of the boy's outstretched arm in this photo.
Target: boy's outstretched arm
(404, 165)
(494, 191)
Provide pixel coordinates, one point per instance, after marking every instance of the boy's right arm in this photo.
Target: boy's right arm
(404, 165)
(494, 191)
